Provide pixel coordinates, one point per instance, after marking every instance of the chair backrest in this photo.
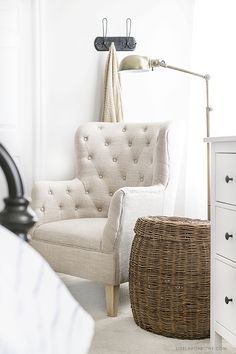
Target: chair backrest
(115, 155)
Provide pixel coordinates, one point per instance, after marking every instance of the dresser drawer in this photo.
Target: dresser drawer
(226, 178)
(225, 233)
(225, 313)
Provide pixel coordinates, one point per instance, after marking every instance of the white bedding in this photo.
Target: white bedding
(38, 315)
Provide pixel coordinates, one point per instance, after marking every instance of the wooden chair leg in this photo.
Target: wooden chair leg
(112, 299)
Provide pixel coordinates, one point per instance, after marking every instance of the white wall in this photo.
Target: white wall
(214, 52)
(16, 86)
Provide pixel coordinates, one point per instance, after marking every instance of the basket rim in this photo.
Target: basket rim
(175, 220)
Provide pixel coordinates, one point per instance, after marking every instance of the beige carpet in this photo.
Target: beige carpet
(121, 334)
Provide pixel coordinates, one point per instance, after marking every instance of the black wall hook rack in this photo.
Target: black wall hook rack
(126, 43)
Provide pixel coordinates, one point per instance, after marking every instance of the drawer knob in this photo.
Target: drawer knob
(228, 179)
(227, 300)
(227, 236)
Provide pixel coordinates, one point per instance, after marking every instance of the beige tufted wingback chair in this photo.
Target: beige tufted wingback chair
(85, 225)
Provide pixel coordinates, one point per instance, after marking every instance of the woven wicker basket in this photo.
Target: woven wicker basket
(169, 276)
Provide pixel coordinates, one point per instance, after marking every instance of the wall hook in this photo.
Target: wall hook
(126, 43)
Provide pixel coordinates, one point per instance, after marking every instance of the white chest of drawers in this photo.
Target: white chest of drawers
(223, 241)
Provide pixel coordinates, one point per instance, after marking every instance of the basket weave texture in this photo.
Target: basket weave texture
(169, 276)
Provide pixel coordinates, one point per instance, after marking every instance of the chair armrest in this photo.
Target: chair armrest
(127, 205)
(55, 200)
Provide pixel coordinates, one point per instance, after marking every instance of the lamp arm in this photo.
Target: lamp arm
(183, 70)
(162, 63)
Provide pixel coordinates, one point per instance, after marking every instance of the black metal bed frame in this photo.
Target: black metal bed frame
(16, 216)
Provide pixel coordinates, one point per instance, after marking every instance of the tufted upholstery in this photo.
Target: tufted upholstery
(109, 157)
(127, 156)
(123, 171)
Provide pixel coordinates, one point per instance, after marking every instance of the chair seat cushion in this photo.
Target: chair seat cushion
(84, 233)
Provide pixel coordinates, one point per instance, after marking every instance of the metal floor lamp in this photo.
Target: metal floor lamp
(142, 63)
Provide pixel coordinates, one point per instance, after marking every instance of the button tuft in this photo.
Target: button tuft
(114, 159)
(89, 157)
(124, 130)
(100, 176)
(99, 209)
(85, 138)
(124, 178)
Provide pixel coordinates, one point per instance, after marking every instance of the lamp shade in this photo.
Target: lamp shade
(135, 62)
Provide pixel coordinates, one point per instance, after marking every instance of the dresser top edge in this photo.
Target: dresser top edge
(220, 139)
